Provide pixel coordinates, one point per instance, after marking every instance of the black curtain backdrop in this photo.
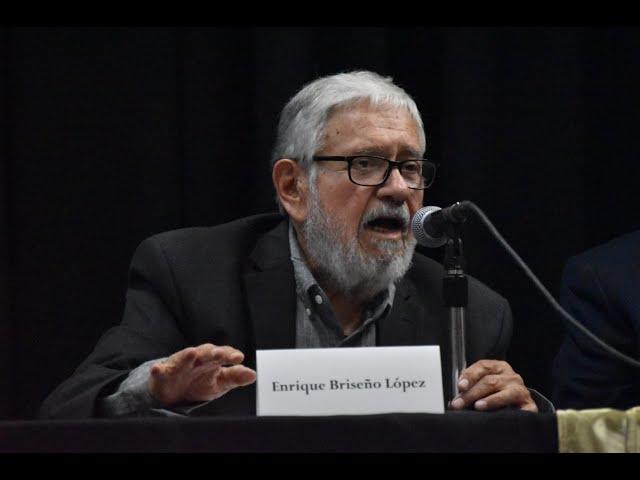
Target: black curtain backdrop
(109, 135)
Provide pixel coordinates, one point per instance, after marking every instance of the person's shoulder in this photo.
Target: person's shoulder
(235, 236)
(619, 246)
(227, 232)
(612, 257)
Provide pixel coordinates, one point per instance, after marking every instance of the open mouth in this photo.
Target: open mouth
(387, 224)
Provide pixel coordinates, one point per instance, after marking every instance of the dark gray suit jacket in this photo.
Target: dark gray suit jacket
(233, 284)
(601, 289)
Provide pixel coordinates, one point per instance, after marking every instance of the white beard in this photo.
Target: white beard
(339, 263)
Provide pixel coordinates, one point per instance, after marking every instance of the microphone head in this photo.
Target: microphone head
(417, 226)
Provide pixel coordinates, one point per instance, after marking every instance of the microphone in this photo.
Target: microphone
(430, 226)
(430, 223)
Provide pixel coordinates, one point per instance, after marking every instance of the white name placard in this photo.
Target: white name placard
(349, 381)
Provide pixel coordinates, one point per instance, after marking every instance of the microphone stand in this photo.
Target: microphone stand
(455, 295)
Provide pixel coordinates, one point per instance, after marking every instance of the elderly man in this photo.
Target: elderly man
(337, 268)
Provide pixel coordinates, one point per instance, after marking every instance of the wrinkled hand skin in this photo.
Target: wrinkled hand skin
(491, 385)
(199, 374)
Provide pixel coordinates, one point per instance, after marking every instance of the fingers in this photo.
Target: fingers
(192, 374)
(483, 388)
(472, 374)
(236, 376)
(176, 364)
(226, 355)
(212, 384)
(220, 355)
(517, 396)
(491, 385)
(192, 357)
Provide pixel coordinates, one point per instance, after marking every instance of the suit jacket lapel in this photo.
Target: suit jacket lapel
(270, 289)
(418, 318)
(400, 325)
(412, 320)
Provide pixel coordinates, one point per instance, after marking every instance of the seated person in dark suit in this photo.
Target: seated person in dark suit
(601, 289)
(336, 268)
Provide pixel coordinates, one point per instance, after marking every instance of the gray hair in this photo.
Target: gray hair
(303, 119)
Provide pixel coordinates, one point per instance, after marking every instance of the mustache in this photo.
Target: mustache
(387, 211)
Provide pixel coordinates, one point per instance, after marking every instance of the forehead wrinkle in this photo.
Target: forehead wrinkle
(380, 151)
(382, 132)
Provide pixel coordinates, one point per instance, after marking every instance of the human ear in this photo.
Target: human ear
(291, 186)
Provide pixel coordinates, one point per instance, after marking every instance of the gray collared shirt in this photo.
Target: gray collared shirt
(316, 322)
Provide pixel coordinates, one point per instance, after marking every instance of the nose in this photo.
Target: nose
(395, 188)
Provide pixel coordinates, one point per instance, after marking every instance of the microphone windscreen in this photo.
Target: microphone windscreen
(420, 232)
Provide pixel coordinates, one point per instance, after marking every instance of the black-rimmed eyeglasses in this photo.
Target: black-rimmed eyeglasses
(372, 171)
